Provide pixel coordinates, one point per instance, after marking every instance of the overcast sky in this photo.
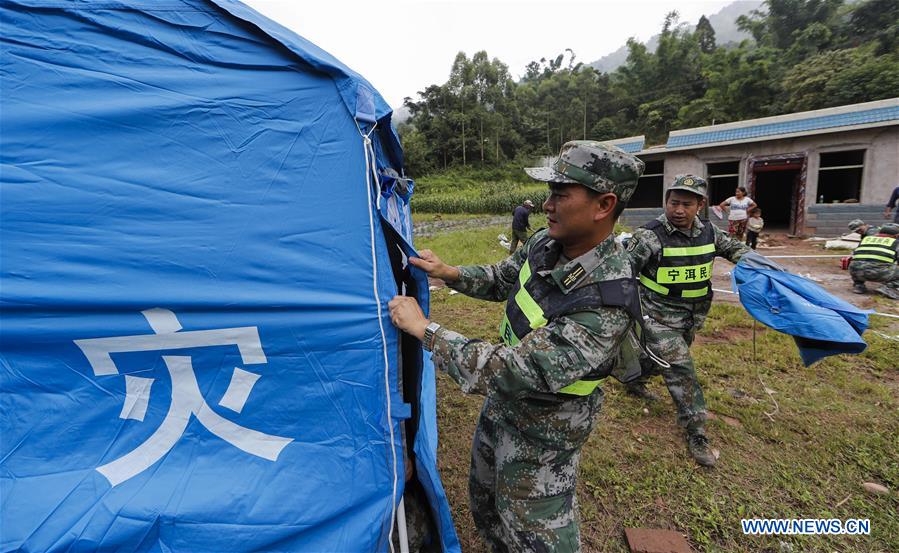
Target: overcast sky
(402, 46)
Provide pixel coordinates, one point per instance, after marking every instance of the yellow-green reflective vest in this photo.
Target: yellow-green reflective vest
(880, 247)
(536, 300)
(682, 270)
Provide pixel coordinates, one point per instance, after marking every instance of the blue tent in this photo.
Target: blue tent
(820, 323)
(203, 219)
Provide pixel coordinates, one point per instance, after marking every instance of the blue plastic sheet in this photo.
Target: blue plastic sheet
(196, 353)
(821, 323)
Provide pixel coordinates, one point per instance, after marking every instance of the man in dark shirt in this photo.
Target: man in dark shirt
(520, 225)
(893, 203)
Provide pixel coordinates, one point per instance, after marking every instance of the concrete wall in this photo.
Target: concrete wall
(830, 220)
(879, 177)
(634, 217)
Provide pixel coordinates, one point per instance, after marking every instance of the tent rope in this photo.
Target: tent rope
(371, 171)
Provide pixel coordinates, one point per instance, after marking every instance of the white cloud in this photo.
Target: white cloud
(403, 46)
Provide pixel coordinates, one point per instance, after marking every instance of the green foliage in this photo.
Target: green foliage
(461, 177)
(838, 77)
(471, 246)
(805, 54)
(491, 198)
(876, 21)
(705, 35)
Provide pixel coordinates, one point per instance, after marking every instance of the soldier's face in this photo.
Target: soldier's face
(681, 208)
(571, 212)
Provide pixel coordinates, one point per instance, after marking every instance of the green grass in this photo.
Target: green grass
(472, 246)
(476, 190)
(431, 217)
(834, 426)
(472, 176)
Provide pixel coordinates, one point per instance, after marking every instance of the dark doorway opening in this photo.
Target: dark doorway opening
(775, 194)
(777, 184)
(723, 180)
(649, 186)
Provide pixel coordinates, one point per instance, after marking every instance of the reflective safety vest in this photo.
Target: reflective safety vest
(536, 300)
(683, 268)
(881, 247)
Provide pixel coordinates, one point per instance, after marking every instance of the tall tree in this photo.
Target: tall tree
(806, 54)
(705, 35)
(777, 26)
(877, 21)
(840, 77)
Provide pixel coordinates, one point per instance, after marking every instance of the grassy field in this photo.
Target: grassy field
(476, 191)
(794, 441)
(496, 198)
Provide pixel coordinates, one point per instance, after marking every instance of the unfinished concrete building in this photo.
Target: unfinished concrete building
(810, 172)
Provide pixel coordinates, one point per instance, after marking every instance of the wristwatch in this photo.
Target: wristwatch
(427, 341)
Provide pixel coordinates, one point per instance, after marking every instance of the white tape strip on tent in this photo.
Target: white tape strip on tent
(371, 173)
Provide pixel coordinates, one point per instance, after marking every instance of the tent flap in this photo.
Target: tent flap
(196, 352)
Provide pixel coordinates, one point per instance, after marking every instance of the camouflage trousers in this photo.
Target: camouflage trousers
(862, 271)
(673, 345)
(419, 527)
(518, 236)
(522, 493)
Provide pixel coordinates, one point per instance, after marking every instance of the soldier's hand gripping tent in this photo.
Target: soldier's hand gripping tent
(203, 218)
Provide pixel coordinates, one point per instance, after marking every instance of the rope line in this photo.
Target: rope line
(372, 171)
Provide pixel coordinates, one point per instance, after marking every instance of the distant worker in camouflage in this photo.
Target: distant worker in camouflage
(572, 301)
(875, 257)
(673, 256)
(862, 228)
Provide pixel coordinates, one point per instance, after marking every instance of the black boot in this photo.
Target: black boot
(859, 288)
(700, 450)
(891, 293)
(639, 389)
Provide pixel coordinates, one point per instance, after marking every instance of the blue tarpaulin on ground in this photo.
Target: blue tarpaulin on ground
(195, 350)
(821, 323)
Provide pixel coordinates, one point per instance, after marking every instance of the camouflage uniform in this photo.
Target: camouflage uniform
(419, 526)
(855, 224)
(672, 325)
(862, 270)
(872, 271)
(527, 444)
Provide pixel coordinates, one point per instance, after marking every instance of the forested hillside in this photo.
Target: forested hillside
(726, 33)
(804, 54)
